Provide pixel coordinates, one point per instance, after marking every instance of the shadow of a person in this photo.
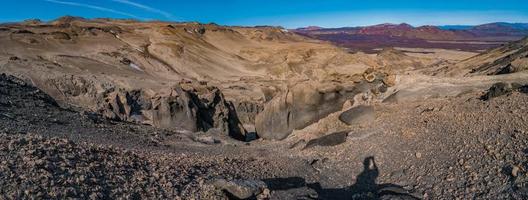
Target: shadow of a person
(364, 188)
(367, 188)
(366, 180)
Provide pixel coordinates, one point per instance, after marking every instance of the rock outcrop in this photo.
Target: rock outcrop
(247, 111)
(14, 91)
(179, 108)
(307, 102)
(191, 107)
(502, 88)
(507, 59)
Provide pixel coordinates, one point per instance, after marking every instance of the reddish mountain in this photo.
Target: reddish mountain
(310, 28)
(473, 38)
(386, 29)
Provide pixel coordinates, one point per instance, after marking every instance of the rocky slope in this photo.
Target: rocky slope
(509, 58)
(427, 146)
(174, 75)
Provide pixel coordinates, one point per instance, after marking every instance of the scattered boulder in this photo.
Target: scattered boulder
(34, 167)
(508, 69)
(206, 139)
(395, 192)
(501, 88)
(240, 189)
(358, 115)
(332, 139)
(497, 89)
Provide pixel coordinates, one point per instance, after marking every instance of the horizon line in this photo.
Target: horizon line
(2, 21)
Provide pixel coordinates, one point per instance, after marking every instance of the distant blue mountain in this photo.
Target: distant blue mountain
(502, 25)
(455, 27)
(516, 26)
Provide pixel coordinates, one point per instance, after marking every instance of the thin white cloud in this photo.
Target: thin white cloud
(146, 8)
(94, 7)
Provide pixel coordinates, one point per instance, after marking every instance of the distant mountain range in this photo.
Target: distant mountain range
(516, 26)
(465, 37)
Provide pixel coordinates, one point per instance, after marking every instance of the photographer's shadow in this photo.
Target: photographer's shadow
(364, 188)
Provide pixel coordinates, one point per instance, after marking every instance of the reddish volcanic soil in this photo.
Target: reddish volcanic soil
(370, 38)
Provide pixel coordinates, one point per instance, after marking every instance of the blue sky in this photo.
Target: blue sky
(287, 13)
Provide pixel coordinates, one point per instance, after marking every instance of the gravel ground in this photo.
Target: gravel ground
(445, 148)
(458, 148)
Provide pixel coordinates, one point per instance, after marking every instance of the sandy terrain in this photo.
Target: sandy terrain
(445, 54)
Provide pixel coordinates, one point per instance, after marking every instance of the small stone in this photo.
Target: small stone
(207, 140)
(418, 155)
(265, 194)
(515, 171)
(241, 189)
(389, 80)
(369, 77)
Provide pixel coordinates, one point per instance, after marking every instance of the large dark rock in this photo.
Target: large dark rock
(501, 88)
(240, 189)
(298, 107)
(358, 115)
(331, 139)
(247, 111)
(305, 103)
(180, 108)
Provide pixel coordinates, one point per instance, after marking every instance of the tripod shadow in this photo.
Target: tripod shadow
(364, 188)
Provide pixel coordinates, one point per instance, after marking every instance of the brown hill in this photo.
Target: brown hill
(163, 73)
(507, 59)
(410, 32)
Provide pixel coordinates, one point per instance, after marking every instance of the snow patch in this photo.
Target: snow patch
(136, 67)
